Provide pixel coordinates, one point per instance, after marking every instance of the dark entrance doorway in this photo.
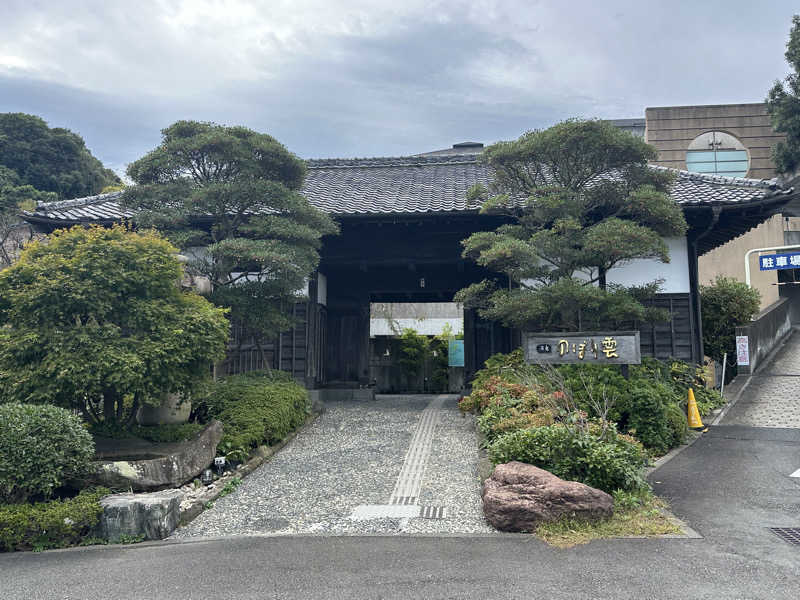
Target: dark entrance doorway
(413, 258)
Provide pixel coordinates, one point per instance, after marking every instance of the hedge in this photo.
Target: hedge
(256, 408)
(41, 448)
(53, 524)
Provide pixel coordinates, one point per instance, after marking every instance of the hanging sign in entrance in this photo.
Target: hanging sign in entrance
(596, 347)
(455, 353)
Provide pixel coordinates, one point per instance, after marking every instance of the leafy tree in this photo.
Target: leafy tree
(234, 191)
(13, 198)
(581, 200)
(725, 305)
(50, 159)
(40, 164)
(783, 106)
(94, 320)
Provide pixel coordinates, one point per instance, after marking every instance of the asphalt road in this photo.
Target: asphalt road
(730, 486)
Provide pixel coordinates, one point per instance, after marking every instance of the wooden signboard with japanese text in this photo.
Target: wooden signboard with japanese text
(591, 347)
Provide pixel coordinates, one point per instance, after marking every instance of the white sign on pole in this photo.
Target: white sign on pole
(742, 350)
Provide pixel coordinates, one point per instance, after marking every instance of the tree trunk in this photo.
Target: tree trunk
(134, 409)
(264, 362)
(109, 412)
(601, 278)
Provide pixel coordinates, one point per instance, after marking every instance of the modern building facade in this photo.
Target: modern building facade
(727, 140)
(733, 140)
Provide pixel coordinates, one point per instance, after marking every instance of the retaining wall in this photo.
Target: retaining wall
(762, 335)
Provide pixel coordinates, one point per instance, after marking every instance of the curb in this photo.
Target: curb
(262, 454)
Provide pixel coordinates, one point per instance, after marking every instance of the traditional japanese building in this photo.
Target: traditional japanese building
(402, 220)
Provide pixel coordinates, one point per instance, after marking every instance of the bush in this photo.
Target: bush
(608, 461)
(644, 412)
(54, 524)
(650, 405)
(256, 408)
(725, 304)
(41, 447)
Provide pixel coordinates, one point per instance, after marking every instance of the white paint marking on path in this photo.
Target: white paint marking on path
(795, 474)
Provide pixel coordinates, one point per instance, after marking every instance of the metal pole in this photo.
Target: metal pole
(749, 252)
(722, 385)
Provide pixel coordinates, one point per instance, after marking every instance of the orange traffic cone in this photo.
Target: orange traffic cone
(694, 415)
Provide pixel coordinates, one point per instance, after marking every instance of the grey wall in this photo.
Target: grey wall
(765, 331)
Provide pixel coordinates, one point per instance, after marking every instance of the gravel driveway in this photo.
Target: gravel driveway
(344, 475)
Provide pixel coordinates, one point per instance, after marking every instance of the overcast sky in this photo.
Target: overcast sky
(371, 77)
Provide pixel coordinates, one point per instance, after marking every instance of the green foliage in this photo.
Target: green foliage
(245, 185)
(783, 106)
(230, 487)
(41, 447)
(644, 412)
(255, 408)
(94, 320)
(414, 349)
(39, 164)
(15, 197)
(650, 405)
(498, 365)
(606, 461)
(54, 524)
(50, 159)
(725, 305)
(571, 224)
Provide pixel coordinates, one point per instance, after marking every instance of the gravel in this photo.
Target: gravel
(351, 456)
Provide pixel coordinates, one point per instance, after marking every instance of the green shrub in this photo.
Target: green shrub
(41, 447)
(650, 405)
(608, 462)
(643, 412)
(498, 365)
(725, 304)
(54, 524)
(256, 408)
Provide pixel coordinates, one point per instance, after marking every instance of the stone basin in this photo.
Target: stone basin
(144, 466)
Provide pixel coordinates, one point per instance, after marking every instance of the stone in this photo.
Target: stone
(154, 515)
(519, 496)
(180, 463)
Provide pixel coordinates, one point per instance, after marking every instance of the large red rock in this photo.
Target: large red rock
(519, 496)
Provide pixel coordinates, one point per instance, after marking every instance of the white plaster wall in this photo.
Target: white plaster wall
(675, 273)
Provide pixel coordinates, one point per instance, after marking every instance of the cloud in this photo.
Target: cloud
(362, 78)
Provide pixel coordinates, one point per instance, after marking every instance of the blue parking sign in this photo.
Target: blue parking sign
(773, 262)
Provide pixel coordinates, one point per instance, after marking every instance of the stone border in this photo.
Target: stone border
(261, 455)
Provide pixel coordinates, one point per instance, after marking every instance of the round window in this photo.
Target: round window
(718, 153)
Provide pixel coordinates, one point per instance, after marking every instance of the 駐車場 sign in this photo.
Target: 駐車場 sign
(611, 347)
(771, 262)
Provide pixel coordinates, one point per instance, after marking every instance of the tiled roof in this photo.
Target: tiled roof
(416, 184)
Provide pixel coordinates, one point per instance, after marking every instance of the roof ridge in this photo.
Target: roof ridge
(723, 179)
(84, 201)
(390, 161)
